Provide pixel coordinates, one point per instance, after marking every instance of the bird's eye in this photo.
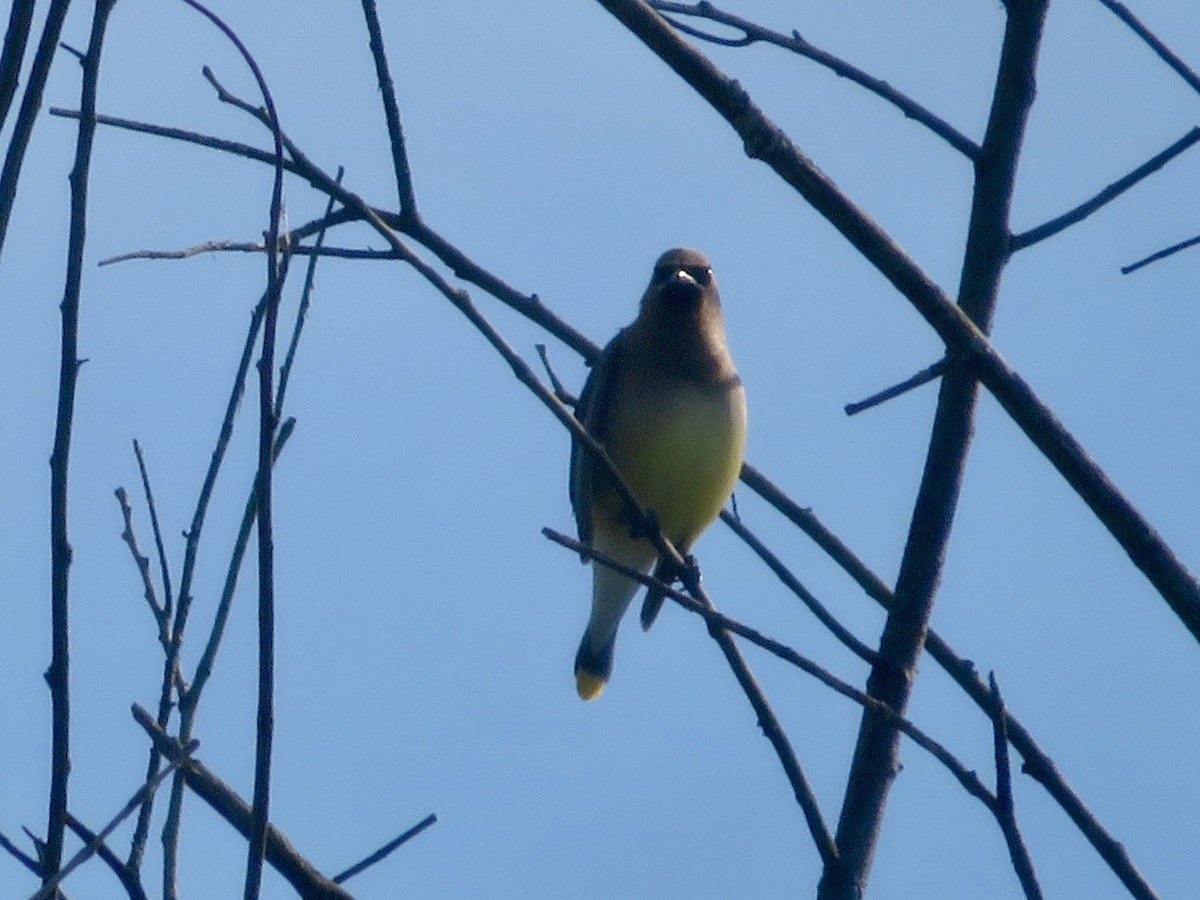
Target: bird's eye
(702, 274)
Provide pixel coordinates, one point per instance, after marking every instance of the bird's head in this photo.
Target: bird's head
(682, 284)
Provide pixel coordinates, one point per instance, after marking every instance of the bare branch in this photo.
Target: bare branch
(265, 723)
(876, 756)
(127, 875)
(386, 850)
(1006, 812)
(965, 777)
(143, 565)
(168, 600)
(20, 855)
(310, 274)
(391, 110)
(16, 37)
(1161, 254)
(57, 675)
(755, 33)
(925, 376)
(31, 102)
(92, 846)
(815, 606)
(1165, 53)
(282, 856)
(1110, 193)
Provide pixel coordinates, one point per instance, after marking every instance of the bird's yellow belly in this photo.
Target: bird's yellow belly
(681, 457)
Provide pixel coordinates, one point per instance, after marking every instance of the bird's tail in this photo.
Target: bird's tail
(593, 666)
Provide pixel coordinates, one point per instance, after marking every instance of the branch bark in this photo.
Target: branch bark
(877, 754)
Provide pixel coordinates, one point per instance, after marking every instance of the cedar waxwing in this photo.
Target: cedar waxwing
(668, 406)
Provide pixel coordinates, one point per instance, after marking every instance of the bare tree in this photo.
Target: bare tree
(676, 33)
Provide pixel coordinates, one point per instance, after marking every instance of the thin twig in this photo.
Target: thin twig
(1165, 53)
(90, 848)
(268, 424)
(189, 701)
(143, 566)
(386, 850)
(925, 376)
(1110, 193)
(170, 834)
(57, 675)
(560, 390)
(168, 600)
(1161, 254)
(755, 33)
(20, 855)
(815, 606)
(310, 274)
(391, 111)
(964, 776)
(283, 857)
(127, 875)
(79, 55)
(1006, 811)
(252, 247)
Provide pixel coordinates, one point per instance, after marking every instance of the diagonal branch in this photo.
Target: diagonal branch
(31, 101)
(1110, 193)
(815, 606)
(1160, 254)
(1037, 764)
(96, 842)
(283, 857)
(16, 37)
(755, 33)
(1165, 53)
(386, 850)
(127, 875)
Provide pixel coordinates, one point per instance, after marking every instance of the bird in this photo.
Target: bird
(667, 404)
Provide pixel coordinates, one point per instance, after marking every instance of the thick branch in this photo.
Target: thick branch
(877, 754)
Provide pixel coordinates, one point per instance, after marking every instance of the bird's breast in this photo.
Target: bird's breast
(680, 450)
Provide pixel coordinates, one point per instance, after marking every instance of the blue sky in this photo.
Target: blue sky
(425, 627)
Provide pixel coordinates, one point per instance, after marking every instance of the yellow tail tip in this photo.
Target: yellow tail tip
(588, 684)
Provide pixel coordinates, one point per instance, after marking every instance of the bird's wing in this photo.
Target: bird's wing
(593, 411)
